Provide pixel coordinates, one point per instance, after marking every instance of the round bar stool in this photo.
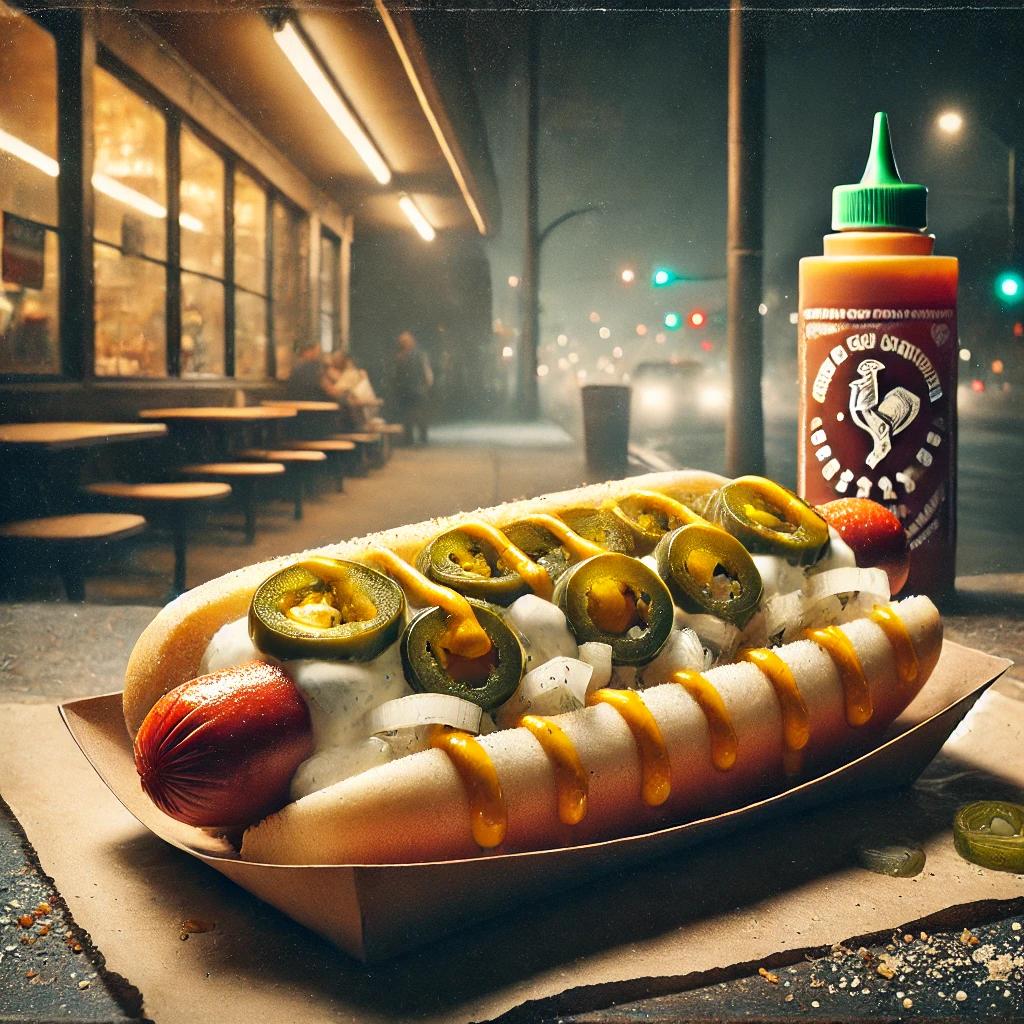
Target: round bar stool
(173, 505)
(301, 463)
(339, 453)
(245, 479)
(370, 449)
(69, 542)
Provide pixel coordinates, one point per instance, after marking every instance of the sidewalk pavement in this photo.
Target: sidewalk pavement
(466, 466)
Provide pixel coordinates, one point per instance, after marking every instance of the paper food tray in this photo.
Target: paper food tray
(374, 911)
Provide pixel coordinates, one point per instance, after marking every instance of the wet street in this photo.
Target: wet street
(991, 488)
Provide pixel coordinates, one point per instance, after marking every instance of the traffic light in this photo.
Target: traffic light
(697, 318)
(1009, 287)
(662, 276)
(673, 321)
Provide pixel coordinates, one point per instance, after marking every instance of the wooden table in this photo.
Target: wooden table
(60, 436)
(299, 405)
(31, 489)
(211, 433)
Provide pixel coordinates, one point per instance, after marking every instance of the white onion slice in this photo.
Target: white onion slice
(716, 633)
(557, 686)
(847, 580)
(682, 650)
(599, 657)
(424, 709)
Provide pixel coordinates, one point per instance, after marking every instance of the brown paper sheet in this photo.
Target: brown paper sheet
(787, 884)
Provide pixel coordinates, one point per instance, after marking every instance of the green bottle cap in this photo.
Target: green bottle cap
(882, 199)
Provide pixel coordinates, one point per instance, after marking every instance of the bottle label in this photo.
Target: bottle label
(879, 394)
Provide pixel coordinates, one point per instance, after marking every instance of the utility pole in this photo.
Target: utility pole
(744, 433)
(528, 404)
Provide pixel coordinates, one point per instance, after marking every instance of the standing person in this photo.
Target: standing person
(413, 379)
(306, 382)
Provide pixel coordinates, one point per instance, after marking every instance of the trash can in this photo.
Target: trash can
(606, 427)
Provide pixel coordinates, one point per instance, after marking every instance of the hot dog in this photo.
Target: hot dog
(667, 740)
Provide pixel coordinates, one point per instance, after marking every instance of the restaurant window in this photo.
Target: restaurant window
(201, 219)
(29, 248)
(330, 292)
(251, 299)
(130, 189)
(290, 288)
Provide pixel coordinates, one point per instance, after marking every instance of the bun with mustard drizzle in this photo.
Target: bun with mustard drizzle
(663, 740)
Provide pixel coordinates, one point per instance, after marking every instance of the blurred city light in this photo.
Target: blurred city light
(513, 281)
(574, 357)
(712, 398)
(507, 352)
(1010, 286)
(662, 276)
(977, 385)
(562, 340)
(697, 318)
(542, 370)
(997, 366)
(673, 321)
(595, 317)
(706, 346)
(762, 309)
(617, 352)
(1018, 330)
(604, 333)
(965, 354)
(641, 329)
(950, 122)
(628, 276)
(659, 338)
(794, 318)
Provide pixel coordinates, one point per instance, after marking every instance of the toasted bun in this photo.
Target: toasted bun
(416, 808)
(170, 649)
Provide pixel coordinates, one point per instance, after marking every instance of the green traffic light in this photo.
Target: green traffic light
(662, 276)
(672, 321)
(1010, 286)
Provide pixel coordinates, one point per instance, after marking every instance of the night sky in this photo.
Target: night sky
(633, 118)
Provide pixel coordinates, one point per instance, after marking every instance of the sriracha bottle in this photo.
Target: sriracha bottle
(877, 360)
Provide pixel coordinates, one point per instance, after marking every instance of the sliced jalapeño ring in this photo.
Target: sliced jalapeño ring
(709, 571)
(326, 608)
(472, 567)
(767, 518)
(488, 681)
(617, 600)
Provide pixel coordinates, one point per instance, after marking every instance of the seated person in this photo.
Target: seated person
(348, 384)
(307, 379)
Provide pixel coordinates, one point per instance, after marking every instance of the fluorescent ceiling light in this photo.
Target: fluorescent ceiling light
(418, 221)
(302, 59)
(23, 151)
(101, 182)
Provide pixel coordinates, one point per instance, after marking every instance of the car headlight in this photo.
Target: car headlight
(712, 398)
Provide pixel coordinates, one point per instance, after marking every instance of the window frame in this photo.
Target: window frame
(66, 366)
(176, 119)
(335, 242)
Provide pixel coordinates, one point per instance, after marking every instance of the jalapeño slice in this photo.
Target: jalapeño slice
(710, 571)
(769, 519)
(617, 600)
(326, 608)
(470, 566)
(487, 681)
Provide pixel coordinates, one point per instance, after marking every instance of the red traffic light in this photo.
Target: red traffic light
(707, 346)
(697, 318)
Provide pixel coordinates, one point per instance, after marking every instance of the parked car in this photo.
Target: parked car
(672, 395)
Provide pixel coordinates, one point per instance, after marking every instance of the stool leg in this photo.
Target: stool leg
(248, 496)
(74, 582)
(301, 483)
(180, 548)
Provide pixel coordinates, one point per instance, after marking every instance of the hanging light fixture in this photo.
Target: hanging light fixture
(423, 226)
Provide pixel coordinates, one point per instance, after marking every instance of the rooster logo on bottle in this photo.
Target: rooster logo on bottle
(881, 420)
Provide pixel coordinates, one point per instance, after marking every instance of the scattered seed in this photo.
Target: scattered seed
(885, 970)
(30, 973)
(908, 938)
(789, 998)
(769, 976)
(195, 926)
(26, 920)
(815, 1003)
(960, 996)
(908, 1003)
(83, 984)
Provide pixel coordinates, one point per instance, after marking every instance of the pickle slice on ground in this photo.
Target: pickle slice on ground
(617, 600)
(470, 566)
(709, 571)
(488, 681)
(991, 833)
(326, 608)
(767, 518)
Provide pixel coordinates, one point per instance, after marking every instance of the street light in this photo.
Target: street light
(628, 276)
(952, 123)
